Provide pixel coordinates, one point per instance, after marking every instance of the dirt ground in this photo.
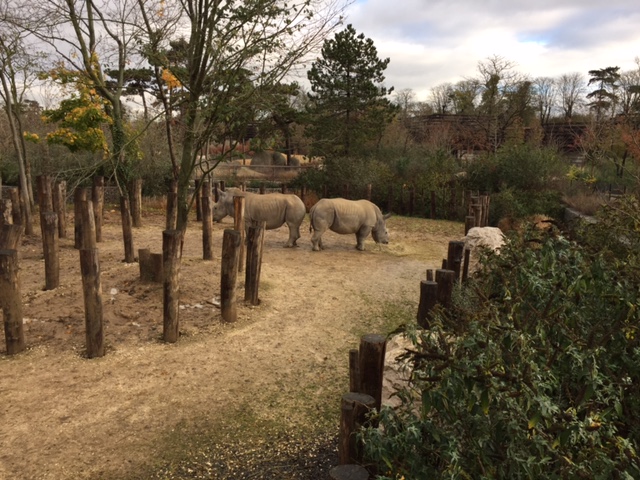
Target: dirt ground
(146, 405)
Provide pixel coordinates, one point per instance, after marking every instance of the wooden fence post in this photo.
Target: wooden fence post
(127, 230)
(454, 257)
(171, 240)
(88, 236)
(11, 301)
(428, 300)
(229, 275)
(354, 410)
(465, 270)
(371, 365)
(172, 206)
(354, 370)
(135, 195)
(207, 229)
(60, 206)
(445, 280)
(50, 247)
(197, 183)
(238, 224)
(92, 290)
(79, 195)
(16, 208)
(97, 198)
(255, 239)
(10, 236)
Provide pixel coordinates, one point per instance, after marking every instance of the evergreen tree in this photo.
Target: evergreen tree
(348, 103)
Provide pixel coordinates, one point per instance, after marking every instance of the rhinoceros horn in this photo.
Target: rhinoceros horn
(387, 215)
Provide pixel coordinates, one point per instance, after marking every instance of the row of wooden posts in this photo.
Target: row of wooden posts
(162, 267)
(366, 365)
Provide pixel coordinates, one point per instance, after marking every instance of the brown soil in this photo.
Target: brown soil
(146, 406)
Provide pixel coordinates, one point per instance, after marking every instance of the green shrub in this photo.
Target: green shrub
(536, 374)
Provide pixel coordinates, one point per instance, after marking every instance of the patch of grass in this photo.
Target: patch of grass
(424, 225)
(386, 317)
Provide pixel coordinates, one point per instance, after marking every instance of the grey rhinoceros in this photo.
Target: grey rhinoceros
(348, 216)
(275, 209)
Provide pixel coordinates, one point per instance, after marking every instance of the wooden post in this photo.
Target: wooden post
(469, 223)
(283, 188)
(88, 236)
(92, 290)
(198, 182)
(207, 228)
(345, 190)
(6, 217)
(477, 214)
(229, 274)
(45, 200)
(11, 301)
(171, 241)
(429, 275)
(79, 195)
(51, 249)
(144, 259)
(262, 189)
(369, 192)
(354, 370)
(10, 237)
(348, 472)
(238, 224)
(127, 230)
(354, 410)
(172, 206)
(428, 300)
(445, 280)
(454, 258)
(255, 240)
(465, 270)
(60, 206)
(135, 195)
(97, 198)
(371, 363)
(16, 209)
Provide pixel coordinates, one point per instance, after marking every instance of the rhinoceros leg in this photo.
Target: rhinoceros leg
(316, 240)
(294, 234)
(362, 234)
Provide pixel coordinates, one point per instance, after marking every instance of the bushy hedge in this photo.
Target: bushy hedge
(535, 372)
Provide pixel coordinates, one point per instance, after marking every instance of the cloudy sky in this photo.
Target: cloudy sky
(431, 42)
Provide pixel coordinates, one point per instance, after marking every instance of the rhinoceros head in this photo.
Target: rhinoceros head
(223, 207)
(380, 233)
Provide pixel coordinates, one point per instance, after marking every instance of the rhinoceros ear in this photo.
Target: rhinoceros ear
(387, 215)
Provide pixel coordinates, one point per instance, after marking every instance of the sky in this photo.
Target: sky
(431, 42)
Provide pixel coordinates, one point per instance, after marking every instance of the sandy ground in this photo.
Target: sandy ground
(67, 417)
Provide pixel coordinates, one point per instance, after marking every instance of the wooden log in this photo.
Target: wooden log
(45, 199)
(371, 365)
(60, 206)
(229, 275)
(429, 275)
(135, 196)
(127, 230)
(171, 241)
(50, 247)
(79, 195)
(222, 185)
(10, 236)
(455, 253)
(97, 198)
(469, 223)
(172, 206)
(144, 262)
(465, 270)
(255, 241)
(92, 292)
(207, 229)
(16, 209)
(198, 182)
(477, 214)
(6, 217)
(88, 236)
(445, 280)
(354, 410)
(348, 472)
(238, 224)
(354, 370)
(11, 301)
(428, 300)
(157, 267)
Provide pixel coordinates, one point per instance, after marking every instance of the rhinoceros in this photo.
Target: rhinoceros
(273, 208)
(347, 216)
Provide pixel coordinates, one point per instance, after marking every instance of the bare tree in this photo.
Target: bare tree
(545, 97)
(629, 93)
(441, 97)
(571, 89)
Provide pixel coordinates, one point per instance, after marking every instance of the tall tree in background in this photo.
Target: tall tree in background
(349, 106)
(604, 98)
(544, 95)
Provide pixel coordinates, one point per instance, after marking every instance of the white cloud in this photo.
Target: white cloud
(432, 42)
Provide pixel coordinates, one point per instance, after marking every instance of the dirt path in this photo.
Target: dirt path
(282, 364)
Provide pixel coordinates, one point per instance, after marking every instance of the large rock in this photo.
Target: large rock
(490, 237)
